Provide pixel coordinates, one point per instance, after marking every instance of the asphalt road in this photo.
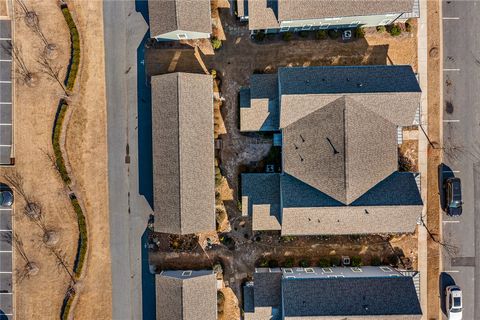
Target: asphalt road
(124, 29)
(461, 142)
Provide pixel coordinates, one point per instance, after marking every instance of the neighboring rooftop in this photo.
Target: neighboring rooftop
(183, 153)
(179, 15)
(186, 294)
(327, 293)
(266, 14)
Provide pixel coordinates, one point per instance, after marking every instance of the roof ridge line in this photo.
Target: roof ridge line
(345, 150)
(180, 204)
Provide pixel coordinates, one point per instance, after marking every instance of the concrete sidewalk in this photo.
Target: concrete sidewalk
(422, 47)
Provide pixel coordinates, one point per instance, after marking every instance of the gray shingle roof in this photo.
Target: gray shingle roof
(317, 9)
(373, 296)
(266, 14)
(191, 297)
(183, 153)
(185, 15)
(262, 112)
(357, 161)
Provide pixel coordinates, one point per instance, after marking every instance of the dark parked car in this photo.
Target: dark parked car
(453, 196)
(6, 199)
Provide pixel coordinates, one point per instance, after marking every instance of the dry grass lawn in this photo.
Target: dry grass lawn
(87, 151)
(40, 297)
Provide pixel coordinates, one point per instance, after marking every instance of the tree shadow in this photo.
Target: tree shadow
(445, 280)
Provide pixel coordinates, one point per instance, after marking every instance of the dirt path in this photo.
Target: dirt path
(86, 148)
(434, 158)
(34, 114)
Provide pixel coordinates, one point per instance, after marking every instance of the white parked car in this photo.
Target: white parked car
(454, 302)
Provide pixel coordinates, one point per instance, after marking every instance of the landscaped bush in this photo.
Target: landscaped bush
(333, 34)
(395, 31)
(356, 261)
(273, 264)
(218, 177)
(409, 26)
(381, 29)
(360, 32)
(304, 263)
(304, 34)
(213, 72)
(324, 263)
(82, 238)
(220, 301)
(75, 54)
(260, 35)
(287, 36)
(321, 35)
(57, 132)
(288, 263)
(375, 261)
(67, 304)
(263, 263)
(216, 43)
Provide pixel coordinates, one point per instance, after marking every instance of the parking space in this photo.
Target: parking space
(6, 107)
(6, 264)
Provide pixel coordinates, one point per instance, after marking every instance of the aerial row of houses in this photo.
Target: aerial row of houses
(191, 19)
(338, 129)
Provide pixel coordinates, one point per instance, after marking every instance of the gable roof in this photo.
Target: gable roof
(183, 153)
(362, 296)
(266, 14)
(319, 9)
(335, 293)
(191, 297)
(184, 15)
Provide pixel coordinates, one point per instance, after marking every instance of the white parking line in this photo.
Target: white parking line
(5, 145)
(5, 209)
(451, 221)
(5, 272)
(6, 293)
(5, 60)
(5, 124)
(451, 271)
(451, 69)
(5, 81)
(451, 120)
(5, 103)
(5, 39)
(5, 230)
(5, 251)
(451, 18)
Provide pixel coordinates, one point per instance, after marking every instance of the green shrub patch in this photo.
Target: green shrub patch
(57, 131)
(82, 238)
(75, 54)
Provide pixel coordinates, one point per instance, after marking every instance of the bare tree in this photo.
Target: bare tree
(30, 268)
(449, 248)
(62, 263)
(51, 70)
(30, 16)
(27, 76)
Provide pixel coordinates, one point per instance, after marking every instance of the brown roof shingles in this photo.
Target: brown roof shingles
(183, 153)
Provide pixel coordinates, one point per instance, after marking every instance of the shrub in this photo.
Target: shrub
(356, 261)
(213, 72)
(391, 260)
(66, 306)
(335, 261)
(82, 238)
(260, 35)
(360, 33)
(216, 43)
(218, 177)
(288, 263)
(321, 35)
(375, 261)
(304, 263)
(57, 132)
(263, 263)
(239, 205)
(75, 54)
(408, 26)
(395, 31)
(304, 34)
(287, 238)
(381, 29)
(333, 34)
(287, 36)
(220, 301)
(324, 263)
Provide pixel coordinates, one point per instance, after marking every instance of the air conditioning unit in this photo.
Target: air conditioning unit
(345, 261)
(270, 168)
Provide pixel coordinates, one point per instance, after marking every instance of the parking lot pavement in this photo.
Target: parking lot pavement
(6, 132)
(6, 267)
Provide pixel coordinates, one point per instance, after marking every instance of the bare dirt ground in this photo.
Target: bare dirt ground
(41, 296)
(87, 152)
(3, 8)
(434, 158)
(231, 309)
